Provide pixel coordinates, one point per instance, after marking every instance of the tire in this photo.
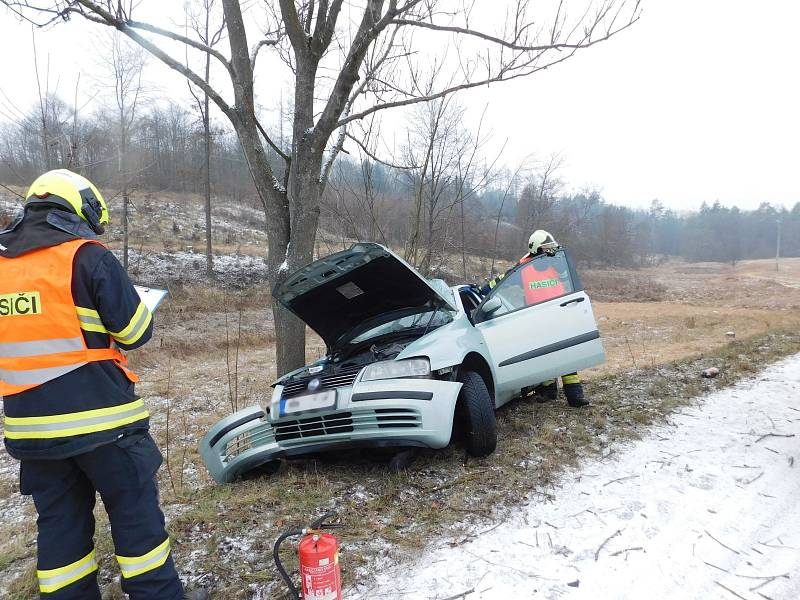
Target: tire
(475, 415)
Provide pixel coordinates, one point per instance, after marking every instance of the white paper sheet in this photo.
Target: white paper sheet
(151, 297)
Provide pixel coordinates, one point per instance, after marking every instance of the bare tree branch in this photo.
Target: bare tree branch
(513, 45)
(502, 76)
(106, 18)
(272, 144)
(182, 39)
(377, 159)
(259, 46)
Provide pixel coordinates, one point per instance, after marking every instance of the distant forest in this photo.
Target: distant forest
(437, 196)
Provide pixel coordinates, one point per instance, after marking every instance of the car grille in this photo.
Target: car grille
(296, 432)
(343, 378)
(388, 418)
(314, 426)
(346, 422)
(239, 444)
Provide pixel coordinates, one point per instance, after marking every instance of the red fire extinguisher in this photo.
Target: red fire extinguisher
(318, 554)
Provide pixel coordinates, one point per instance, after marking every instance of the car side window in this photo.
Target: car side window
(538, 280)
(469, 300)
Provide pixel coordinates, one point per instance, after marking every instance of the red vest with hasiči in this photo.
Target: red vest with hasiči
(540, 286)
(40, 331)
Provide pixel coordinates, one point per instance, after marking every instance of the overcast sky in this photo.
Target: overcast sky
(699, 101)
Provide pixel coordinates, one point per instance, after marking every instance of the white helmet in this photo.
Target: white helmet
(541, 240)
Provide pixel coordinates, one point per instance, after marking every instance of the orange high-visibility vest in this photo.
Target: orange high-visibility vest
(40, 328)
(539, 286)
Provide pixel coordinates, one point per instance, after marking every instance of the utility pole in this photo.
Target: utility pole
(778, 245)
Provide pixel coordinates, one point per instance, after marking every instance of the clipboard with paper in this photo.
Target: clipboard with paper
(151, 297)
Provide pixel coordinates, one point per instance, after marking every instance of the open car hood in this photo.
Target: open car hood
(337, 293)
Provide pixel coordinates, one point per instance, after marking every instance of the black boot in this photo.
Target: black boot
(196, 595)
(546, 391)
(574, 394)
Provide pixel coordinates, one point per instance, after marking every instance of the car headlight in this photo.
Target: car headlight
(394, 369)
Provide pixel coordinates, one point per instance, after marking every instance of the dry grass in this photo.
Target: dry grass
(610, 286)
(648, 334)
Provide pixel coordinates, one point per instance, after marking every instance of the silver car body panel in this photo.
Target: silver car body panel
(541, 342)
(250, 438)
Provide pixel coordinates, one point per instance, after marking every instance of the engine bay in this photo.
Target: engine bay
(375, 353)
(354, 358)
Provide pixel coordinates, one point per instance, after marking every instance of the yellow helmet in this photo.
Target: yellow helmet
(541, 240)
(73, 192)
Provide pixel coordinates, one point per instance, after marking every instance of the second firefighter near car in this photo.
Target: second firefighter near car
(410, 362)
(541, 282)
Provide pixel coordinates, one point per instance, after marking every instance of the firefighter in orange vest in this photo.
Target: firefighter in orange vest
(539, 285)
(72, 417)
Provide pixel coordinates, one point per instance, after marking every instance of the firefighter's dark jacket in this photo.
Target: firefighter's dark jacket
(99, 282)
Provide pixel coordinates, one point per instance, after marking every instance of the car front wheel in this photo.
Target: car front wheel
(475, 415)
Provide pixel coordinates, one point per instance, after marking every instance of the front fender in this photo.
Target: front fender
(449, 345)
(214, 443)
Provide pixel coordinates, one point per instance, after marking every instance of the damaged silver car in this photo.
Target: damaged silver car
(410, 362)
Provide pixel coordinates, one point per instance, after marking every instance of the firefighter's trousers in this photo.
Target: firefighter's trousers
(566, 380)
(64, 494)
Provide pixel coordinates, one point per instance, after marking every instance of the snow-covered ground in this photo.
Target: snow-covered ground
(706, 507)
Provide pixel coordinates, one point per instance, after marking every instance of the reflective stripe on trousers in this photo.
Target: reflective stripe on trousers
(131, 566)
(66, 425)
(53, 580)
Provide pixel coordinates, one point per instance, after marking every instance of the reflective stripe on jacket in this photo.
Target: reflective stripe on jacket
(41, 328)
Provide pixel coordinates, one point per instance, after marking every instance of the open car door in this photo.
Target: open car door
(538, 324)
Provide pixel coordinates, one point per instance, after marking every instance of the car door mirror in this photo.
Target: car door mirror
(491, 305)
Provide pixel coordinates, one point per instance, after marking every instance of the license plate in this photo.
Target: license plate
(298, 404)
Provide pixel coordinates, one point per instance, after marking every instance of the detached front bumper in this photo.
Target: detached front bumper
(392, 412)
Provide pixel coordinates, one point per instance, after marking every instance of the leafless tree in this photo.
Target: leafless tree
(44, 107)
(437, 140)
(509, 192)
(124, 62)
(202, 26)
(471, 181)
(348, 65)
(357, 201)
(539, 196)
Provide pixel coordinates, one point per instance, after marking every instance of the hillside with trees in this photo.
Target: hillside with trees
(440, 196)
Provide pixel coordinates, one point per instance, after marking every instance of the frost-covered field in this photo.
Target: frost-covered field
(704, 507)
(186, 267)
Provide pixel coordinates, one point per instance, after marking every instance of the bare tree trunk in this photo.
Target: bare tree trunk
(43, 108)
(203, 30)
(73, 142)
(207, 182)
(124, 187)
(463, 235)
(207, 204)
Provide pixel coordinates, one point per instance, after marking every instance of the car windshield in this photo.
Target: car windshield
(430, 318)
